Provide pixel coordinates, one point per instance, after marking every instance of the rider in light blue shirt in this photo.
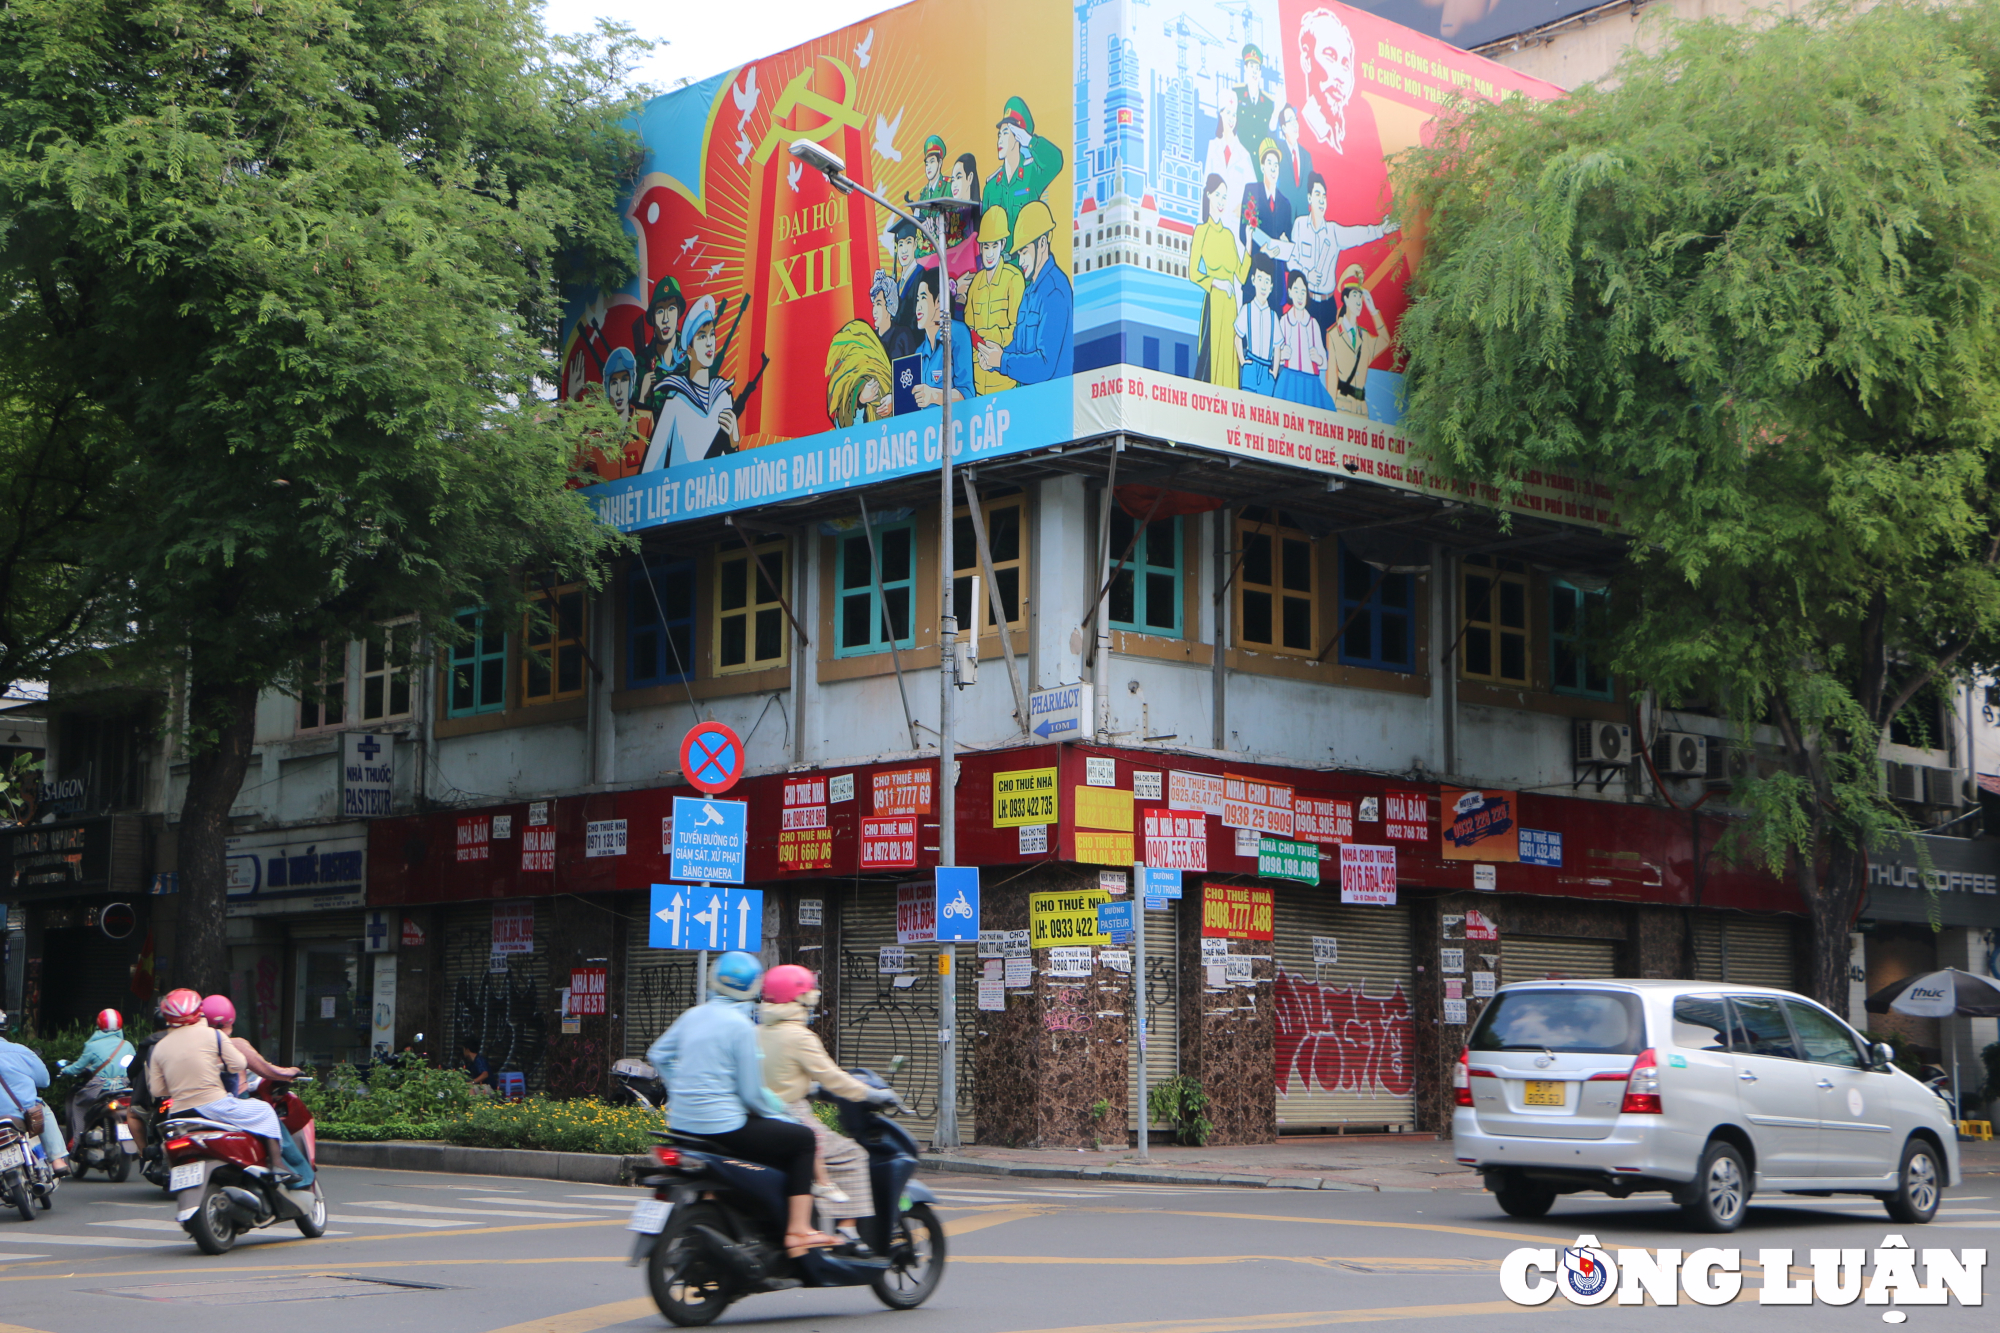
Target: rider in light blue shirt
(22, 1077)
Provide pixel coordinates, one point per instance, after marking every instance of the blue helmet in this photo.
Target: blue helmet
(621, 358)
(737, 976)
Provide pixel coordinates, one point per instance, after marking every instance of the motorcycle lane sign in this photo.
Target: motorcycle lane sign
(957, 905)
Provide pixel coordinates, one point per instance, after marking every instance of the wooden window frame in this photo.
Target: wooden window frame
(1370, 612)
(842, 593)
(378, 663)
(755, 611)
(1580, 601)
(1475, 628)
(1274, 531)
(967, 551)
(539, 653)
(313, 679)
(1142, 567)
(473, 654)
(642, 617)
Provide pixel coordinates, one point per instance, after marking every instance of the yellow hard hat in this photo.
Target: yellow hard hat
(993, 225)
(1035, 222)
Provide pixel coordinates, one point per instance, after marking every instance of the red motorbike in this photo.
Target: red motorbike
(220, 1183)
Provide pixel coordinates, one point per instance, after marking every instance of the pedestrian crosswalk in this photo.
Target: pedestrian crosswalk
(953, 1195)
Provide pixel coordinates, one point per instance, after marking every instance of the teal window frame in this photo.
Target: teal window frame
(1153, 574)
(898, 586)
(1570, 670)
(484, 664)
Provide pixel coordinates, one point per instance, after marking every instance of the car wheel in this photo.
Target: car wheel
(1919, 1184)
(1720, 1192)
(1521, 1198)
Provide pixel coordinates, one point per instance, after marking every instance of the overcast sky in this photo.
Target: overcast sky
(704, 37)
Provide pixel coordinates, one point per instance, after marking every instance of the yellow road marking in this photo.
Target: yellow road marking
(325, 1267)
(1400, 1263)
(1307, 1318)
(17, 1328)
(586, 1319)
(1519, 1236)
(965, 1226)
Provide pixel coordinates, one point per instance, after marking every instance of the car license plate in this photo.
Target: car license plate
(185, 1177)
(1543, 1092)
(11, 1156)
(650, 1216)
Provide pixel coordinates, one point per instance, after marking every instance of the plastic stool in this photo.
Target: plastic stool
(1976, 1129)
(513, 1085)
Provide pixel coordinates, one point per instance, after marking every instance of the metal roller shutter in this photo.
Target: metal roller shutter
(1750, 951)
(659, 987)
(507, 1014)
(1528, 958)
(1163, 1010)
(1344, 1036)
(880, 1020)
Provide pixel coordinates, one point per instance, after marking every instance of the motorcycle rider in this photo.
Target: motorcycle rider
(103, 1064)
(22, 1075)
(220, 1012)
(712, 1066)
(795, 1059)
(194, 1064)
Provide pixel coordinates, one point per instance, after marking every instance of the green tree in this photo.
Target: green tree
(1753, 287)
(299, 263)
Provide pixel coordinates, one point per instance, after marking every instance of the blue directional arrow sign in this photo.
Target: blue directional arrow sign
(958, 904)
(710, 840)
(1062, 714)
(702, 916)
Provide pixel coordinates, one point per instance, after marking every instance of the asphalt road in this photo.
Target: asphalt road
(483, 1254)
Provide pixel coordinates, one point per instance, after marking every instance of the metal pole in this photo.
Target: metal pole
(701, 977)
(1139, 1003)
(946, 1136)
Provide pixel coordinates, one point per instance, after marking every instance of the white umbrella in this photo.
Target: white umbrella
(1942, 994)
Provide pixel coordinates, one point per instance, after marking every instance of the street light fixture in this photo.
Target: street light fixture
(828, 164)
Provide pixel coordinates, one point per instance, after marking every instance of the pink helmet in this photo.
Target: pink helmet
(786, 984)
(219, 1012)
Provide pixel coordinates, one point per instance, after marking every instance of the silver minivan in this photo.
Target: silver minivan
(1708, 1091)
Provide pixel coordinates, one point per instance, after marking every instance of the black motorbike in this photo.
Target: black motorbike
(714, 1230)
(27, 1178)
(105, 1142)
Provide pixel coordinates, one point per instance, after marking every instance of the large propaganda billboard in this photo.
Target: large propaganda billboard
(1177, 224)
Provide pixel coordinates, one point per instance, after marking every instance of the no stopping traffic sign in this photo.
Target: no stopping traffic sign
(711, 757)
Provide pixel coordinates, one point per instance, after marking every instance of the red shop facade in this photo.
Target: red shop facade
(1296, 1007)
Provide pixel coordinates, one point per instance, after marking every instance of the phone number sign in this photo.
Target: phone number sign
(1235, 912)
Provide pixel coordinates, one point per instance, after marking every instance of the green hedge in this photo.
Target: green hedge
(441, 1104)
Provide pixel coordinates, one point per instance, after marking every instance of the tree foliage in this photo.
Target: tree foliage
(1753, 286)
(290, 270)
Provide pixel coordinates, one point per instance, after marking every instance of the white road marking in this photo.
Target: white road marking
(428, 1223)
(105, 1242)
(557, 1203)
(392, 1206)
(144, 1224)
(20, 1258)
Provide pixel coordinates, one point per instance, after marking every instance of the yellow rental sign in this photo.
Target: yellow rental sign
(1065, 918)
(1025, 796)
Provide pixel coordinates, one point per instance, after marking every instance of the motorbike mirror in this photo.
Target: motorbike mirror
(62, 1064)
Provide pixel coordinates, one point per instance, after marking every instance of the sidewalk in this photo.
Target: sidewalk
(1385, 1163)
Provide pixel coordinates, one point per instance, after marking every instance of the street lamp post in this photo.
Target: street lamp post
(835, 171)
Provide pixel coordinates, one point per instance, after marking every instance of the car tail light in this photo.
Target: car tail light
(668, 1156)
(1642, 1087)
(1461, 1077)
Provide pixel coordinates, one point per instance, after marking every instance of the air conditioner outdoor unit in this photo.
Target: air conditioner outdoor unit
(1603, 742)
(1940, 786)
(1681, 754)
(1901, 783)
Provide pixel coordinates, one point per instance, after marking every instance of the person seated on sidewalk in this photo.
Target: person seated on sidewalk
(197, 1067)
(220, 1012)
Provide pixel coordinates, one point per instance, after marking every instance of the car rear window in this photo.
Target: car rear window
(1583, 1022)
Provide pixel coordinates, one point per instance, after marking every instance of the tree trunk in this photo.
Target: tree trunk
(1832, 909)
(222, 723)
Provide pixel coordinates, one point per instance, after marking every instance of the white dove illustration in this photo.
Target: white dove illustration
(885, 136)
(792, 174)
(861, 51)
(743, 148)
(746, 97)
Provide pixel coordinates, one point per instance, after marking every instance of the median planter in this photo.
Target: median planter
(584, 1168)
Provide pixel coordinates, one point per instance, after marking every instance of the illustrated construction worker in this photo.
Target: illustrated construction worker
(993, 302)
(1040, 348)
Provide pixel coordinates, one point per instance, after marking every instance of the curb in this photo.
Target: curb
(1133, 1175)
(583, 1168)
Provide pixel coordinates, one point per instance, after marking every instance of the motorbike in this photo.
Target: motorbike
(713, 1232)
(27, 1178)
(105, 1143)
(639, 1078)
(221, 1185)
(153, 1158)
